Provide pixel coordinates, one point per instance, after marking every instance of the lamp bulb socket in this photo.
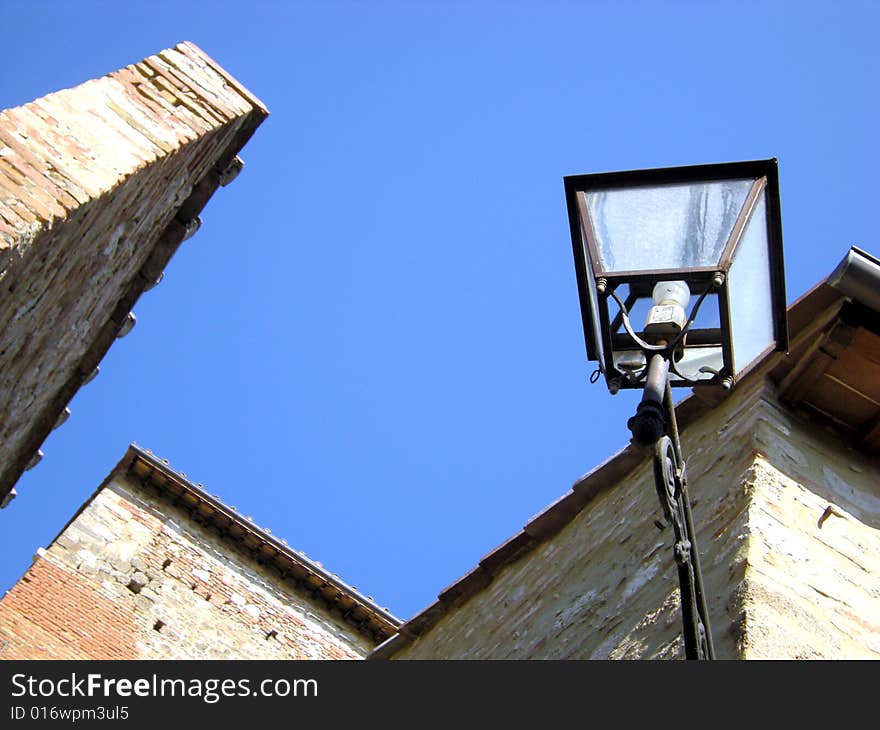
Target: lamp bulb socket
(667, 316)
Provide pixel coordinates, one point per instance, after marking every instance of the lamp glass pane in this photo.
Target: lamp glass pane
(666, 226)
(596, 335)
(751, 300)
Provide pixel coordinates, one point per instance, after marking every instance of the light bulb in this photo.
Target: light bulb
(671, 292)
(667, 316)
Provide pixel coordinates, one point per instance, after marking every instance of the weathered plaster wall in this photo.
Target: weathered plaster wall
(778, 584)
(132, 577)
(96, 186)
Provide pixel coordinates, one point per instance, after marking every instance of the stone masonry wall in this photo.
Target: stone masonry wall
(132, 577)
(781, 580)
(97, 184)
(812, 588)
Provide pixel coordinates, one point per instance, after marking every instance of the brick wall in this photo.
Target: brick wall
(134, 577)
(788, 526)
(97, 184)
(52, 613)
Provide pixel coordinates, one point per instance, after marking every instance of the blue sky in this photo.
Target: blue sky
(373, 345)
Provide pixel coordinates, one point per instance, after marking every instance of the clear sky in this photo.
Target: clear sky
(373, 345)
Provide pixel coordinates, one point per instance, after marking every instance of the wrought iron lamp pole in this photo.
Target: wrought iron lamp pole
(654, 426)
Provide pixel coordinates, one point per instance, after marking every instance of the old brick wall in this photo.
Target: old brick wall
(52, 613)
(134, 577)
(97, 184)
(781, 582)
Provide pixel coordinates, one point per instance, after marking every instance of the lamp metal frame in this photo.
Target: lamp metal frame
(596, 286)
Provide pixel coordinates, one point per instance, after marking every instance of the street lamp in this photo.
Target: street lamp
(648, 245)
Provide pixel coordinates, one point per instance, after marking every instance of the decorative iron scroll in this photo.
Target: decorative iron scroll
(671, 482)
